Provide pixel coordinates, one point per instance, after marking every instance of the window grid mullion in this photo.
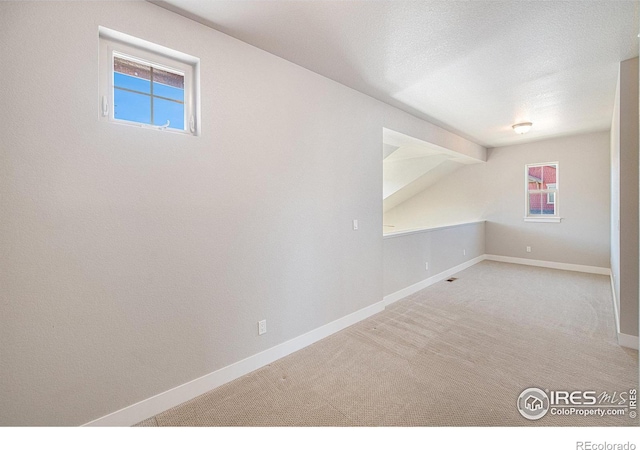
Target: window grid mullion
(540, 191)
(147, 94)
(151, 79)
(137, 57)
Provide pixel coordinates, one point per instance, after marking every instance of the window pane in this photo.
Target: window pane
(130, 75)
(131, 106)
(534, 181)
(542, 203)
(535, 203)
(169, 78)
(548, 207)
(542, 189)
(131, 83)
(164, 90)
(164, 110)
(548, 175)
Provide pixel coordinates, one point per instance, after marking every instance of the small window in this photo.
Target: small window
(541, 193)
(147, 85)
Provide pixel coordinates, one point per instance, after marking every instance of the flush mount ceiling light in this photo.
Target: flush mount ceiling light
(522, 128)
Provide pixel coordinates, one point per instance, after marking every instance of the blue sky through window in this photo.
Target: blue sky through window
(136, 99)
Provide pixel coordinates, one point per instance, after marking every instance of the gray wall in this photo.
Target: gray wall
(133, 260)
(405, 255)
(494, 191)
(624, 196)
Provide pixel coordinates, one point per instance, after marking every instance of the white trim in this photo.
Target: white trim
(615, 304)
(114, 42)
(402, 293)
(550, 264)
(117, 36)
(528, 217)
(626, 340)
(543, 219)
(159, 403)
(424, 230)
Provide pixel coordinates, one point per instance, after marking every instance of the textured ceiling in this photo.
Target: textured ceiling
(473, 67)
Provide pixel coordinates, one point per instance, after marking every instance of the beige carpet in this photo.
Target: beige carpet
(454, 354)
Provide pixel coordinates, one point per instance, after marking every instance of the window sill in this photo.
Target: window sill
(151, 127)
(543, 219)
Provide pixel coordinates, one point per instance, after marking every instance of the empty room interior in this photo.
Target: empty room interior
(319, 213)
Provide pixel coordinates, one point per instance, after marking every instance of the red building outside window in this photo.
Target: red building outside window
(542, 189)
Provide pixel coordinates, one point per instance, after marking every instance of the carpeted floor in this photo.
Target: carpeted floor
(454, 354)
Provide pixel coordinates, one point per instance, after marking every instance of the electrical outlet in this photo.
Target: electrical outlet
(528, 249)
(426, 266)
(355, 224)
(262, 327)
(464, 252)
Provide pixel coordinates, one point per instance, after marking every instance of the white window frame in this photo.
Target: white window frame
(555, 218)
(115, 43)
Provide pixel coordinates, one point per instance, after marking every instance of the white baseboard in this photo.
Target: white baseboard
(550, 264)
(402, 293)
(159, 403)
(626, 340)
(615, 304)
(173, 397)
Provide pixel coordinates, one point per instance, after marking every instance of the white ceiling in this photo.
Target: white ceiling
(411, 165)
(473, 67)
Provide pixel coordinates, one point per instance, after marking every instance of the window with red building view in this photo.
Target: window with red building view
(542, 189)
